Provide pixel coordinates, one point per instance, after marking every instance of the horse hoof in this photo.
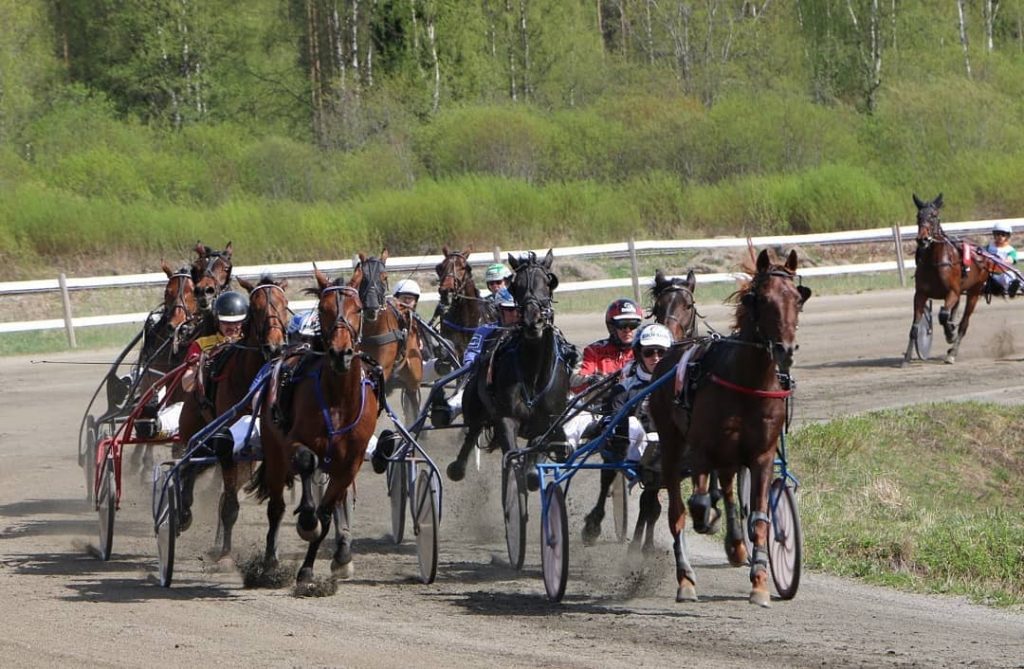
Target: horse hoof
(591, 531)
(761, 598)
(186, 519)
(456, 471)
(342, 572)
(308, 533)
(305, 575)
(686, 593)
(271, 564)
(532, 481)
(736, 552)
(225, 561)
(950, 359)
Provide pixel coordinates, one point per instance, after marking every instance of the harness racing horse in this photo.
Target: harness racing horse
(211, 273)
(522, 386)
(674, 307)
(942, 274)
(236, 366)
(333, 415)
(461, 309)
(738, 412)
(389, 336)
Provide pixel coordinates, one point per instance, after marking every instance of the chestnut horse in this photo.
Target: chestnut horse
(333, 415)
(942, 274)
(732, 417)
(166, 338)
(461, 310)
(263, 338)
(389, 336)
(211, 273)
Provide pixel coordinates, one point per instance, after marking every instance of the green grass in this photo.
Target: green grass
(927, 498)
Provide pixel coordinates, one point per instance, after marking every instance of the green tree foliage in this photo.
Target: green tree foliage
(27, 68)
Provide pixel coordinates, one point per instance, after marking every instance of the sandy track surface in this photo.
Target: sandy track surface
(64, 606)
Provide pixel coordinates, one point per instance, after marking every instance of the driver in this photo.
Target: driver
(606, 356)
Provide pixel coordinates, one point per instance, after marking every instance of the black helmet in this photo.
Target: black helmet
(231, 307)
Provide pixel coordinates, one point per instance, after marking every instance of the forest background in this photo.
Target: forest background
(314, 128)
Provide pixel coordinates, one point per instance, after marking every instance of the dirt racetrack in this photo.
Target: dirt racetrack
(62, 606)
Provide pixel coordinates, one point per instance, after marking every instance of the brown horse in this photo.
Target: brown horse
(167, 336)
(333, 415)
(738, 412)
(211, 273)
(461, 310)
(673, 306)
(263, 337)
(389, 336)
(942, 274)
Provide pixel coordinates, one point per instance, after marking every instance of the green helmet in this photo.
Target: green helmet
(496, 272)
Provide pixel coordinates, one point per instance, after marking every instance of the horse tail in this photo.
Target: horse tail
(257, 484)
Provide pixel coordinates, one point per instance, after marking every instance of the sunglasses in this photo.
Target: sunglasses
(629, 325)
(653, 353)
(1001, 234)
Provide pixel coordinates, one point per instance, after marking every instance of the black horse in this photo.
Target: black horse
(523, 386)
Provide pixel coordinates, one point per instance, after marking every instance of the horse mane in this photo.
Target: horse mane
(268, 278)
(750, 268)
(658, 288)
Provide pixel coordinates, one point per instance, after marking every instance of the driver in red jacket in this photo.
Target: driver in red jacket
(606, 356)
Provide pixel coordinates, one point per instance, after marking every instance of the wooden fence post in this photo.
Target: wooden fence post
(66, 299)
(497, 254)
(899, 253)
(635, 270)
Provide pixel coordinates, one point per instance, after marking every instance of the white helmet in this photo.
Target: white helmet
(407, 287)
(1002, 227)
(653, 335)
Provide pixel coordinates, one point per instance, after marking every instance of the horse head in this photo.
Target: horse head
(673, 304)
(769, 308)
(180, 305)
(928, 227)
(452, 273)
(370, 278)
(340, 311)
(267, 322)
(211, 273)
(532, 286)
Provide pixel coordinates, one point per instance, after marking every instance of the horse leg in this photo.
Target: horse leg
(650, 510)
(671, 467)
(457, 467)
(735, 546)
(592, 523)
(947, 316)
(965, 321)
(760, 475)
(341, 565)
(410, 403)
(703, 507)
(304, 463)
(919, 302)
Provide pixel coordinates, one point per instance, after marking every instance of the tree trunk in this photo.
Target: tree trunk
(963, 36)
(990, 8)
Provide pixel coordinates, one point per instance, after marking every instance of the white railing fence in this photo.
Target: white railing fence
(632, 249)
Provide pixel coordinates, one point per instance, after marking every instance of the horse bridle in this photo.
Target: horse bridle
(459, 281)
(547, 312)
(691, 324)
(208, 267)
(340, 320)
(768, 344)
(273, 322)
(373, 279)
(184, 329)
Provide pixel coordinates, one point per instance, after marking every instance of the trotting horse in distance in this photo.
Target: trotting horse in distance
(388, 336)
(460, 309)
(943, 275)
(211, 273)
(332, 415)
(738, 411)
(523, 386)
(263, 338)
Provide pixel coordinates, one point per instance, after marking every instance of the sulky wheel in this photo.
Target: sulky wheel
(106, 505)
(165, 515)
(619, 493)
(514, 508)
(785, 540)
(923, 340)
(554, 543)
(426, 527)
(398, 491)
(743, 498)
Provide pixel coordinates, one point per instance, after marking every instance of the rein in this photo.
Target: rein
(756, 392)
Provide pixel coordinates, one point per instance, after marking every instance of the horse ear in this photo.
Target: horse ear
(166, 268)
(763, 261)
(362, 257)
(466, 251)
(444, 250)
(659, 277)
(283, 284)
(805, 294)
(200, 249)
(548, 259)
(245, 284)
(321, 278)
(917, 201)
(227, 251)
(938, 202)
(384, 255)
(513, 262)
(691, 281)
(791, 262)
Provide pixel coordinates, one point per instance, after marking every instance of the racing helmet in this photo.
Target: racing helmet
(1002, 227)
(231, 307)
(407, 287)
(623, 310)
(653, 335)
(496, 272)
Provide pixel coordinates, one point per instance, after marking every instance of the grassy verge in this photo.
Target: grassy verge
(927, 498)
